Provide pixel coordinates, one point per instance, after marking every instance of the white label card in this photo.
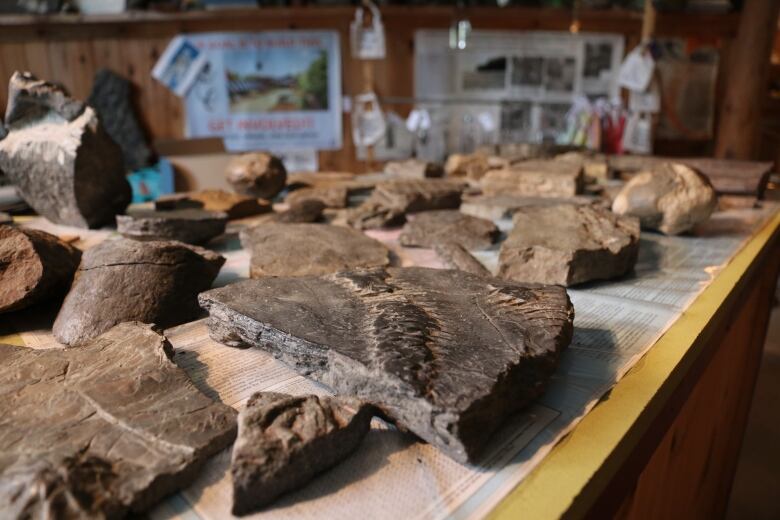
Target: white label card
(636, 71)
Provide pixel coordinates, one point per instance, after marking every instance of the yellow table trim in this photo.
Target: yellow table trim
(550, 491)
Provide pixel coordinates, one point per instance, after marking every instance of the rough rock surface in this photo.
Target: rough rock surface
(568, 244)
(104, 430)
(472, 166)
(193, 226)
(671, 198)
(258, 174)
(413, 169)
(111, 97)
(330, 196)
(310, 249)
(447, 354)
(33, 265)
(495, 207)
(127, 280)
(64, 165)
(390, 201)
(307, 210)
(284, 441)
(448, 225)
(234, 205)
(537, 178)
(455, 256)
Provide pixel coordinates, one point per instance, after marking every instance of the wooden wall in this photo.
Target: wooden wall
(70, 49)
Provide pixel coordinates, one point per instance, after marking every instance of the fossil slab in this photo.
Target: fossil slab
(284, 441)
(538, 178)
(102, 431)
(34, 265)
(331, 196)
(234, 205)
(448, 225)
(455, 256)
(496, 207)
(413, 169)
(568, 244)
(62, 162)
(258, 174)
(671, 197)
(310, 249)
(193, 226)
(127, 280)
(390, 201)
(447, 354)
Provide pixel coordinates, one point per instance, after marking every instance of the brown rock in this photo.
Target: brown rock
(413, 169)
(58, 156)
(535, 179)
(233, 204)
(391, 201)
(448, 225)
(472, 166)
(126, 280)
(331, 196)
(594, 166)
(257, 174)
(496, 207)
(102, 431)
(671, 198)
(34, 265)
(284, 441)
(455, 256)
(310, 249)
(567, 245)
(193, 226)
(307, 210)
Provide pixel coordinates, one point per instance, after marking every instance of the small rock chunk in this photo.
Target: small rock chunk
(257, 174)
(448, 225)
(193, 226)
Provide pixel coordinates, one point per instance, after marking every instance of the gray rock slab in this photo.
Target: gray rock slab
(537, 178)
(429, 228)
(307, 210)
(455, 256)
(193, 226)
(102, 431)
(447, 354)
(496, 207)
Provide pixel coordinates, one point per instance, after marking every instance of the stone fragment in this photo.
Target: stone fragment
(284, 441)
(568, 244)
(671, 198)
(64, 165)
(234, 205)
(594, 166)
(111, 97)
(307, 210)
(496, 207)
(258, 174)
(472, 166)
(127, 280)
(330, 196)
(193, 226)
(448, 225)
(447, 354)
(310, 249)
(413, 169)
(34, 265)
(455, 256)
(390, 201)
(102, 431)
(536, 179)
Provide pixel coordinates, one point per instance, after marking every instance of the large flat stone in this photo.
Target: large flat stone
(104, 430)
(568, 244)
(538, 178)
(193, 226)
(310, 249)
(127, 280)
(448, 354)
(496, 207)
(34, 265)
(62, 162)
(429, 228)
(284, 441)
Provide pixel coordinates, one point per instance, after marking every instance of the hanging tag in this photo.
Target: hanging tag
(368, 42)
(368, 121)
(637, 136)
(636, 71)
(648, 102)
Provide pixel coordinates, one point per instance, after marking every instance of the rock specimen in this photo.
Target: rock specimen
(594, 166)
(455, 256)
(284, 441)
(127, 280)
(472, 166)
(448, 225)
(414, 169)
(193, 226)
(447, 354)
(307, 210)
(568, 244)
(330, 196)
(111, 97)
(671, 198)
(390, 201)
(496, 207)
(234, 205)
(64, 165)
(102, 431)
(257, 174)
(33, 265)
(537, 178)
(310, 249)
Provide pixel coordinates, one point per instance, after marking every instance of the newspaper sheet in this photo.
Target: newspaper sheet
(393, 475)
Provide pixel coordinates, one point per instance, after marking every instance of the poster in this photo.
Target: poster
(278, 90)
